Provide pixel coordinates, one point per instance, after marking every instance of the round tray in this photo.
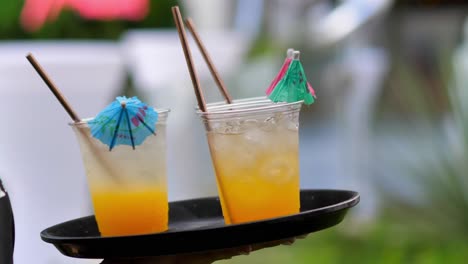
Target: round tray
(198, 225)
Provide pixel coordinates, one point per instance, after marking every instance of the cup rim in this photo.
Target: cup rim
(247, 100)
(249, 105)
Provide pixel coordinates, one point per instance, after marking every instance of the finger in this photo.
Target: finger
(212, 256)
(231, 252)
(145, 260)
(266, 245)
(289, 241)
(245, 250)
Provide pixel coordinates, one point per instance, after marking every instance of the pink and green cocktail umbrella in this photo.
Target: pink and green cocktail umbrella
(293, 85)
(282, 72)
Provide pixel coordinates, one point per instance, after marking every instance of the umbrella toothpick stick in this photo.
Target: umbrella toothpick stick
(296, 55)
(53, 88)
(191, 26)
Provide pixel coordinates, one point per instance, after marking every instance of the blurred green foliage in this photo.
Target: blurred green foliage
(70, 25)
(439, 150)
(382, 243)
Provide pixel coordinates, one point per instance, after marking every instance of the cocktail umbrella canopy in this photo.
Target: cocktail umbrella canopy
(282, 72)
(126, 121)
(293, 86)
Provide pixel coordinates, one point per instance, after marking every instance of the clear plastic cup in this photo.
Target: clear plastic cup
(128, 186)
(254, 148)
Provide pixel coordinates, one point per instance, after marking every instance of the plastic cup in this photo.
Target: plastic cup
(254, 149)
(128, 186)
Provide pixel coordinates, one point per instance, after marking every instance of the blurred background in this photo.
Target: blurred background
(391, 119)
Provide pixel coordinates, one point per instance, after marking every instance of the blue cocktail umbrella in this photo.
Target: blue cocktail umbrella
(126, 121)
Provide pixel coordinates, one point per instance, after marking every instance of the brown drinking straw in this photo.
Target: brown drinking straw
(63, 101)
(191, 26)
(188, 57)
(53, 88)
(193, 74)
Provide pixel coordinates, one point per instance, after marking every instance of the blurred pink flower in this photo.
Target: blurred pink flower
(36, 12)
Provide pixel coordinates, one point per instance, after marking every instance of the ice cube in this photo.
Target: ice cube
(269, 124)
(253, 137)
(278, 169)
(227, 127)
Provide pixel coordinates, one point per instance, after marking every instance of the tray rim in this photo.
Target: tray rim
(349, 203)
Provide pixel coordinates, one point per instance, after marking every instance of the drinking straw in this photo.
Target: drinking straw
(191, 26)
(188, 57)
(193, 74)
(53, 88)
(63, 101)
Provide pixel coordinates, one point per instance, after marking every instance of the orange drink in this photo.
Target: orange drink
(128, 186)
(254, 149)
(116, 210)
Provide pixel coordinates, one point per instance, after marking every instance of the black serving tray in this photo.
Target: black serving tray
(198, 225)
